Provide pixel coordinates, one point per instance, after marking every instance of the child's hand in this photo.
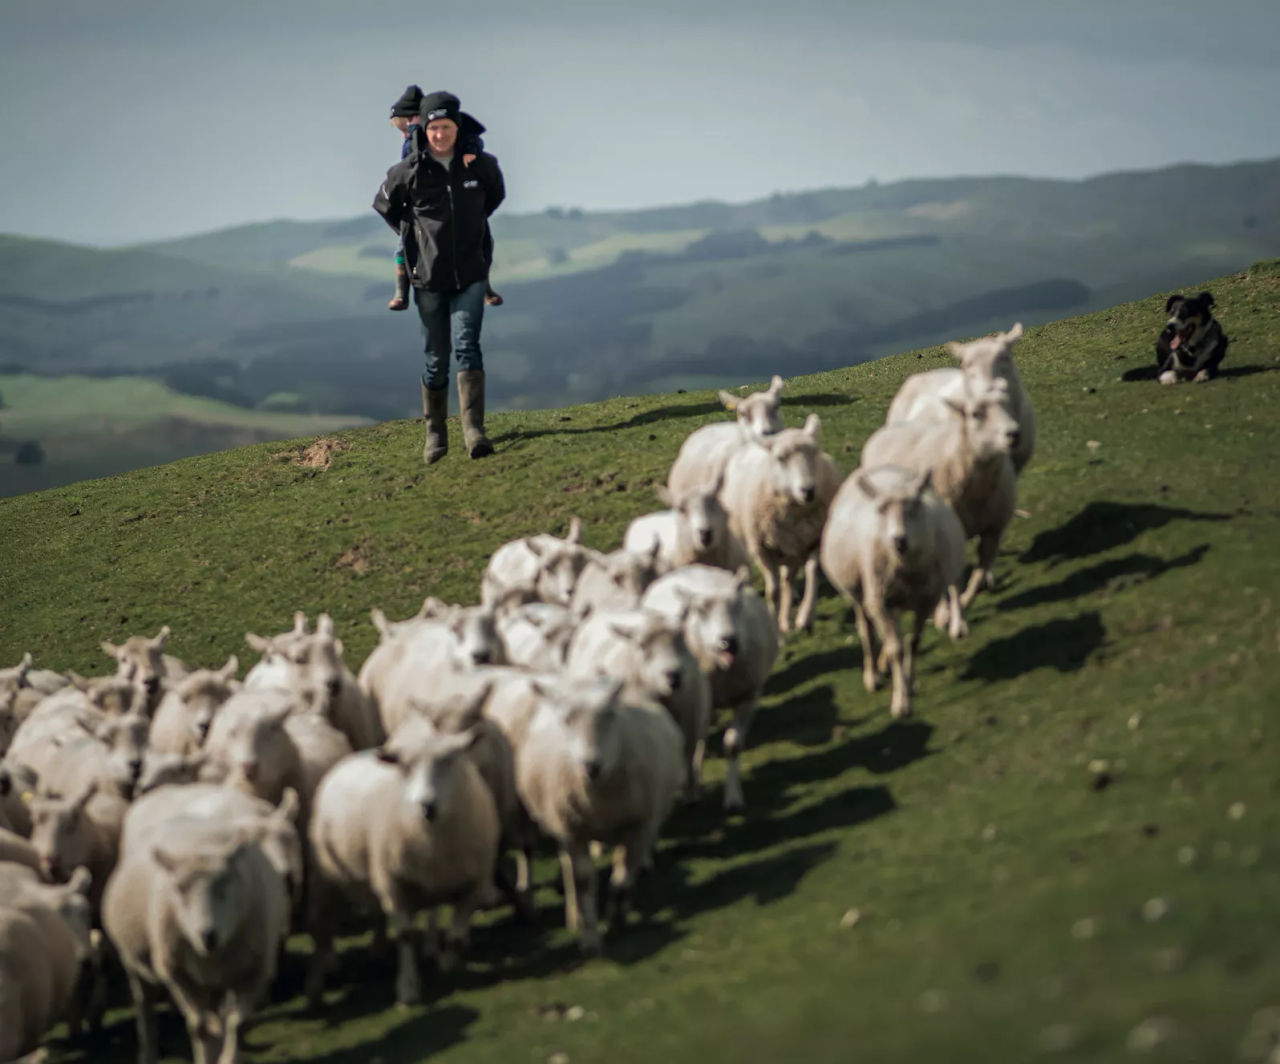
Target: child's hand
(467, 160)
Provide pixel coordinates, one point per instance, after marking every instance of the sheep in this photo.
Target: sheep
(8, 719)
(600, 767)
(28, 686)
(615, 580)
(186, 711)
(543, 568)
(82, 829)
(648, 650)
(200, 912)
(249, 747)
(14, 849)
(311, 665)
(142, 661)
(776, 493)
(70, 745)
(17, 787)
(705, 451)
(732, 634)
(45, 940)
(694, 531)
(160, 768)
(411, 824)
(981, 362)
(968, 455)
(891, 545)
(535, 635)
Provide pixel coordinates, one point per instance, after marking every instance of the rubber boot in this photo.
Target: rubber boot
(471, 400)
(400, 301)
(435, 408)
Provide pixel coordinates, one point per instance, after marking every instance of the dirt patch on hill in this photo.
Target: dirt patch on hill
(355, 558)
(316, 455)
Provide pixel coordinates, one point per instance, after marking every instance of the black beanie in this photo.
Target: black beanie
(407, 105)
(439, 105)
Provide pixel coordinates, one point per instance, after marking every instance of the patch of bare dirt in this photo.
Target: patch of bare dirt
(316, 455)
(355, 558)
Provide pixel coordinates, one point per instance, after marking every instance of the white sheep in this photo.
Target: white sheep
(694, 531)
(648, 651)
(17, 787)
(776, 492)
(250, 749)
(535, 635)
(705, 451)
(600, 767)
(44, 942)
(142, 661)
(410, 825)
(14, 849)
(982, 362)
(199, 911)
(542, 568)
(615, 580)
(187, 709)
(735, 639)
(82, 829)
(891, 545)
(968, 455)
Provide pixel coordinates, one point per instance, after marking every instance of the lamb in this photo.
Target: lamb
(82, 830)
(776, 493)
(614, 581)
(648, 651)
(142, 661)
(968, 455)
(250, 748)
(731, 633)
(694, 531)
(67, 744)
(535, 635)
(891, 545)
(186, 711)
(199, 911)
(981, 363)
(311, 665)
(705, 452)
(542, 568)
(600, 767)
(412, 825)
(44, 942)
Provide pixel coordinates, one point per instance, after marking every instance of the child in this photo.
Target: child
(406, 118)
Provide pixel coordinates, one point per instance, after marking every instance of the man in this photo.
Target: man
(441, 205)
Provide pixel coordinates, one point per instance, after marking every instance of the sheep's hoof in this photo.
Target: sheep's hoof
(1201, 377)
(871, 682)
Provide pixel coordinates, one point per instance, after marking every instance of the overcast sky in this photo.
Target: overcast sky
(129, 120)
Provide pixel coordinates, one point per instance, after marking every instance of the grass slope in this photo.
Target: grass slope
(1002, 881)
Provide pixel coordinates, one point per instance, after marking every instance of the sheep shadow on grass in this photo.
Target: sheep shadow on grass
(1115, 574)
(1102, 526)
(1063, 644)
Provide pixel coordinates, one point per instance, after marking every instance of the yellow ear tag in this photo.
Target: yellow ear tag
(27, 796)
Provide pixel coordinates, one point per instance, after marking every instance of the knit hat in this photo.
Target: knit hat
(407, 105)
(439, 105)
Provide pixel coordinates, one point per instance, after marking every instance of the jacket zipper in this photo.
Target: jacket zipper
(453, 233)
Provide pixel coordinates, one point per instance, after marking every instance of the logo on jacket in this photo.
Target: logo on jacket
(471, 184)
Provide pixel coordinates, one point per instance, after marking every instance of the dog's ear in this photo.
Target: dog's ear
(1173, 301)
(1206, 298)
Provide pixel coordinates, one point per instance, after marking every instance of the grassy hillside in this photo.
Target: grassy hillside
(1070, 850)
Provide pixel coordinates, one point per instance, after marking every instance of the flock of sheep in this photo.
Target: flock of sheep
(179, 822)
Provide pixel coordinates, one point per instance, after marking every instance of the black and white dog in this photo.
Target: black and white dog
(1192, 344)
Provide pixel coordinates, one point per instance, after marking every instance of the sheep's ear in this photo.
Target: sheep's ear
(289, 807)
(277, 717)
(954, 349)
(82, 799)
(923, 483)
(864, 484)
(338, 647)
(256, 642)
(110, 648)
(776, 384)
(730, 402)
(475, 704)
(953, 405)
(164, 859)
(299, 623)
(1206, 298)
(575, 530)
(664, 496)
(380, 622)
(620, 630)
(1173, 301)
(1015, 333)
(324, 625)
(534, 547)
(229, 670)
(811, 425)
(80, 882)
(24, 667)
(743, 576)
(714, 487)
(161, 638)
(388, 756)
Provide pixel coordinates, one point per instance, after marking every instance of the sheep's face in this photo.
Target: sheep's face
(205, 895)
(902, 527)
(760, 412)
(593, 736)
(713, 625)
(987, 359)
(991, 429)
(126, 741)
(202, 695)
(558, 576)
(316, 660)
(707, 522)
(253, 744)
(60, 835)
(477, 639)
(141, 660)
(433, 766)
(663, 661)
(795, 463)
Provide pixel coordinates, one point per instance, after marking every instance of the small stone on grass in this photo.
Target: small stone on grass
(1085, 928)
(1155, 909)
(1150, 1034)
(851, 918)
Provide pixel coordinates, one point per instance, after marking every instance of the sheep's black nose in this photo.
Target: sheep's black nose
(900, 544)
(153, 684)
(1014, 436)
(428, 811)
(673, 679)
(704, 537)
(210, 938)
(592, 769)
(335, 685)
(481, 657)
(808, 494)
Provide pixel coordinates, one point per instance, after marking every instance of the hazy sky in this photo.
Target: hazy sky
(128, 120)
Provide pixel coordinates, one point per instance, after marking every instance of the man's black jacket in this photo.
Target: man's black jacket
(443, 217)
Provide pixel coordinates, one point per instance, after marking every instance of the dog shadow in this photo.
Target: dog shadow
(1104, 525)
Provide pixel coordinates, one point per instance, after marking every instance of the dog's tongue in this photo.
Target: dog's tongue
(1176, 342)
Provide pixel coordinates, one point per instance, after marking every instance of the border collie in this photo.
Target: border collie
(1192, 344)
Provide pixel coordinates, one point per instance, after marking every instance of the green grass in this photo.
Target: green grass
(1001, 884)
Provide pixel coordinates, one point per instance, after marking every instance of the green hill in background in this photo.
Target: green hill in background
(1070, 852)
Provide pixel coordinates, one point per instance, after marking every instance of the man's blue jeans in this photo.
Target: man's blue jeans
(450, 322)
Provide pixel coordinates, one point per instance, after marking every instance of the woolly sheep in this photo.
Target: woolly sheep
(141, 661)
(17, 786)
(735, 639)
(694, 531)
(67, 745)
(200, 911)
(982, 362)
(542, 568)
(44, 942)
(249, 747)
(614, 581)
(706, 451)
(14, 849)
(411, 824)
(82, 829)
(600, 767)
(310, 664)
(968, 455)
(776, 492)
(186, 711)
(891, 545)
(535, 635)
(648, 651)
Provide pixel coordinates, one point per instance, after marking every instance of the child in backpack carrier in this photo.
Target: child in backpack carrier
(406, 118)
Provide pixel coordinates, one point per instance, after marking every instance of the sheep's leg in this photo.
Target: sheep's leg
(580, 883)
(458, 939)
(399, 915)
(320, 917)
(784, 598)
(870, 673)
(949, 614)
(630, 856)
(735, 739)
(913, 646)
(770, 588)
(804, 617)
(205, 1044)
(694, 784)
(988, 547)
(233, 1017)
(886, 623)
(144, 1000)
(572, 917)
